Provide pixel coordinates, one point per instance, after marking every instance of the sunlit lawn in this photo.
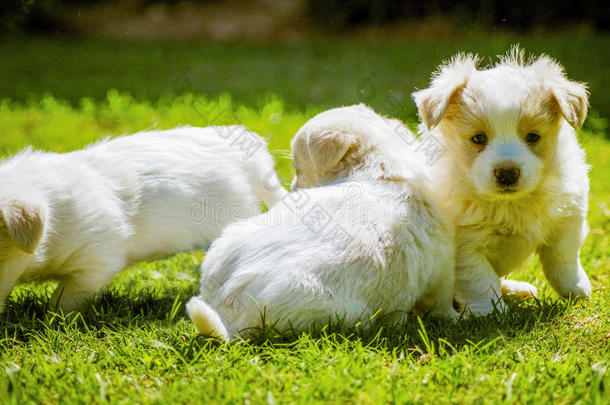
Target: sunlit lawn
(135, 344)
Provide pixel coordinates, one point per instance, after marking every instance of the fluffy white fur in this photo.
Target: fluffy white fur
(82, 217)
(385, 247)
(543, 208)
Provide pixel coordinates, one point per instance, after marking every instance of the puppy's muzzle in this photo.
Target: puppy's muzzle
(507, 176)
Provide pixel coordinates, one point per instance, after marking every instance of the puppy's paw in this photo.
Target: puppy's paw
(482, 309)
(582, 289)
(519, 289)
(449, 314)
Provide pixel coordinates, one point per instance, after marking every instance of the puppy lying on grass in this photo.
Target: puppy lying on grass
(82, 217)
(514, 177)
(365, 239)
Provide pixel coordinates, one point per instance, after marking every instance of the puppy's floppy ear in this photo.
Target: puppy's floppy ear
(451, 77)
(24, 222)
(571, 97)
(323, 148)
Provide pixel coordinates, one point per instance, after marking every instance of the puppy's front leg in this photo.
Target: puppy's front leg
(561, 262)
(74, 290)
(8, 280)
(477, 286)
(5, 291)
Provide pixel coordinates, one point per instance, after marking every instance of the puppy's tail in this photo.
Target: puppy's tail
(263, 177)
(269, 188)
(206, 319)
(266, 183)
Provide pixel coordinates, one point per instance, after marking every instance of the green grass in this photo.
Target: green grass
(135, 343)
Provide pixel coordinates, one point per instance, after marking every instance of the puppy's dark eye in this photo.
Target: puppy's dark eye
(479, 139)
(532, 138)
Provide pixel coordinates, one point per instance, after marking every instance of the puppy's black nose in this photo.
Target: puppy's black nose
(507, 176)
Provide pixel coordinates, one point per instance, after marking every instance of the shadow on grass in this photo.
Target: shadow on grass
(522, 317)
(118, 310)
(416, 336)
(114, 309)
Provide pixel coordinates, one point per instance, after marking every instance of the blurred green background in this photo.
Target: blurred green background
(309, 52)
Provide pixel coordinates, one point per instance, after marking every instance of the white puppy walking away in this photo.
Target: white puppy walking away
(365, 239)
(514, 177)
(82, 217)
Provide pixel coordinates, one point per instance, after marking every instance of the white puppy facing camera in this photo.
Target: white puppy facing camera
(514, 178)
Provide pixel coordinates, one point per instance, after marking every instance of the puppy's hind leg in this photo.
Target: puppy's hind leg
(75, 289)
(438, 302)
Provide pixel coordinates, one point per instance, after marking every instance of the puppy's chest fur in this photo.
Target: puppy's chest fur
(507, 232)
